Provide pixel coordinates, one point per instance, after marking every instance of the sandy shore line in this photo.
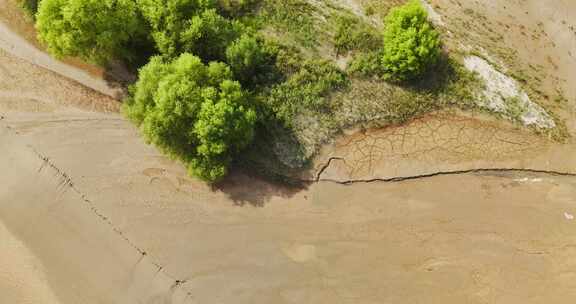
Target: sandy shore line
(22, 279)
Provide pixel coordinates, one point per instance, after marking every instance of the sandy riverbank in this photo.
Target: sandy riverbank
(22, 279)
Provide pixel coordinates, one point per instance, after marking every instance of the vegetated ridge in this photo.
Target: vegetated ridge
(262, 83)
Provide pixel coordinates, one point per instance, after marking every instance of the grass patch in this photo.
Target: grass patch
(352, 34)
(305, 91)
(294, 18)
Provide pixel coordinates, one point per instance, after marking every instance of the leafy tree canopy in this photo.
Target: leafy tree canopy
(192, 26)
(96, 30)
(193, 112)
(252, 61)
(208, 34)
(410, 43)
(169, 18)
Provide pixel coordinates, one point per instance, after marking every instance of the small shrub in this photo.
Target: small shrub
(411, 45)
(96, 30)
(193, 112)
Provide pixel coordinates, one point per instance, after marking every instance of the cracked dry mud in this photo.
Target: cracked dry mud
(441, 142)
(90, 214)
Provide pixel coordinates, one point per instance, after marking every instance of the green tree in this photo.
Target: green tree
(192, 26)
(96, 30)
(169, 18)
(252, 61)
(192, 112)
(411, 44)
(208, 34)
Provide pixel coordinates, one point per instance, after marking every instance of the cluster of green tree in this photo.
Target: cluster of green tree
(206, 77)
(190, 99)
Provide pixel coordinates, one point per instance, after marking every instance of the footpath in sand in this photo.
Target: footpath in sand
(90, 214)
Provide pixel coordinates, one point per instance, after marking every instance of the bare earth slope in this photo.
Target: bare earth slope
(93, 215)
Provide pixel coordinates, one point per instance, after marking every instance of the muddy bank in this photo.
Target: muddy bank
(103, 200)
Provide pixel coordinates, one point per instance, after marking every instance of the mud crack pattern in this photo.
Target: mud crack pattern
(433, 143)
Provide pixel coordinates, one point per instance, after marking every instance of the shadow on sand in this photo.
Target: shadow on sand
(244, 188)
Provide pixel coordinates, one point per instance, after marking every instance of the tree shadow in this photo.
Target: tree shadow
(247, 188)
(119, 74)
(118, 77)
(258, 175)
(437, 78)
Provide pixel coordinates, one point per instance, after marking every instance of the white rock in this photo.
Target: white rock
(501, 89)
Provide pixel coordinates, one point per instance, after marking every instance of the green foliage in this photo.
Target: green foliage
(353, 34)
(30, 7)
(305, 90)
(235, 8)
(367, 64)
(193, 112)
(169, 19)
(208, 34)
(292, 17)
(411, 45)
(96, 30)
(192, 26)
(252, 61)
